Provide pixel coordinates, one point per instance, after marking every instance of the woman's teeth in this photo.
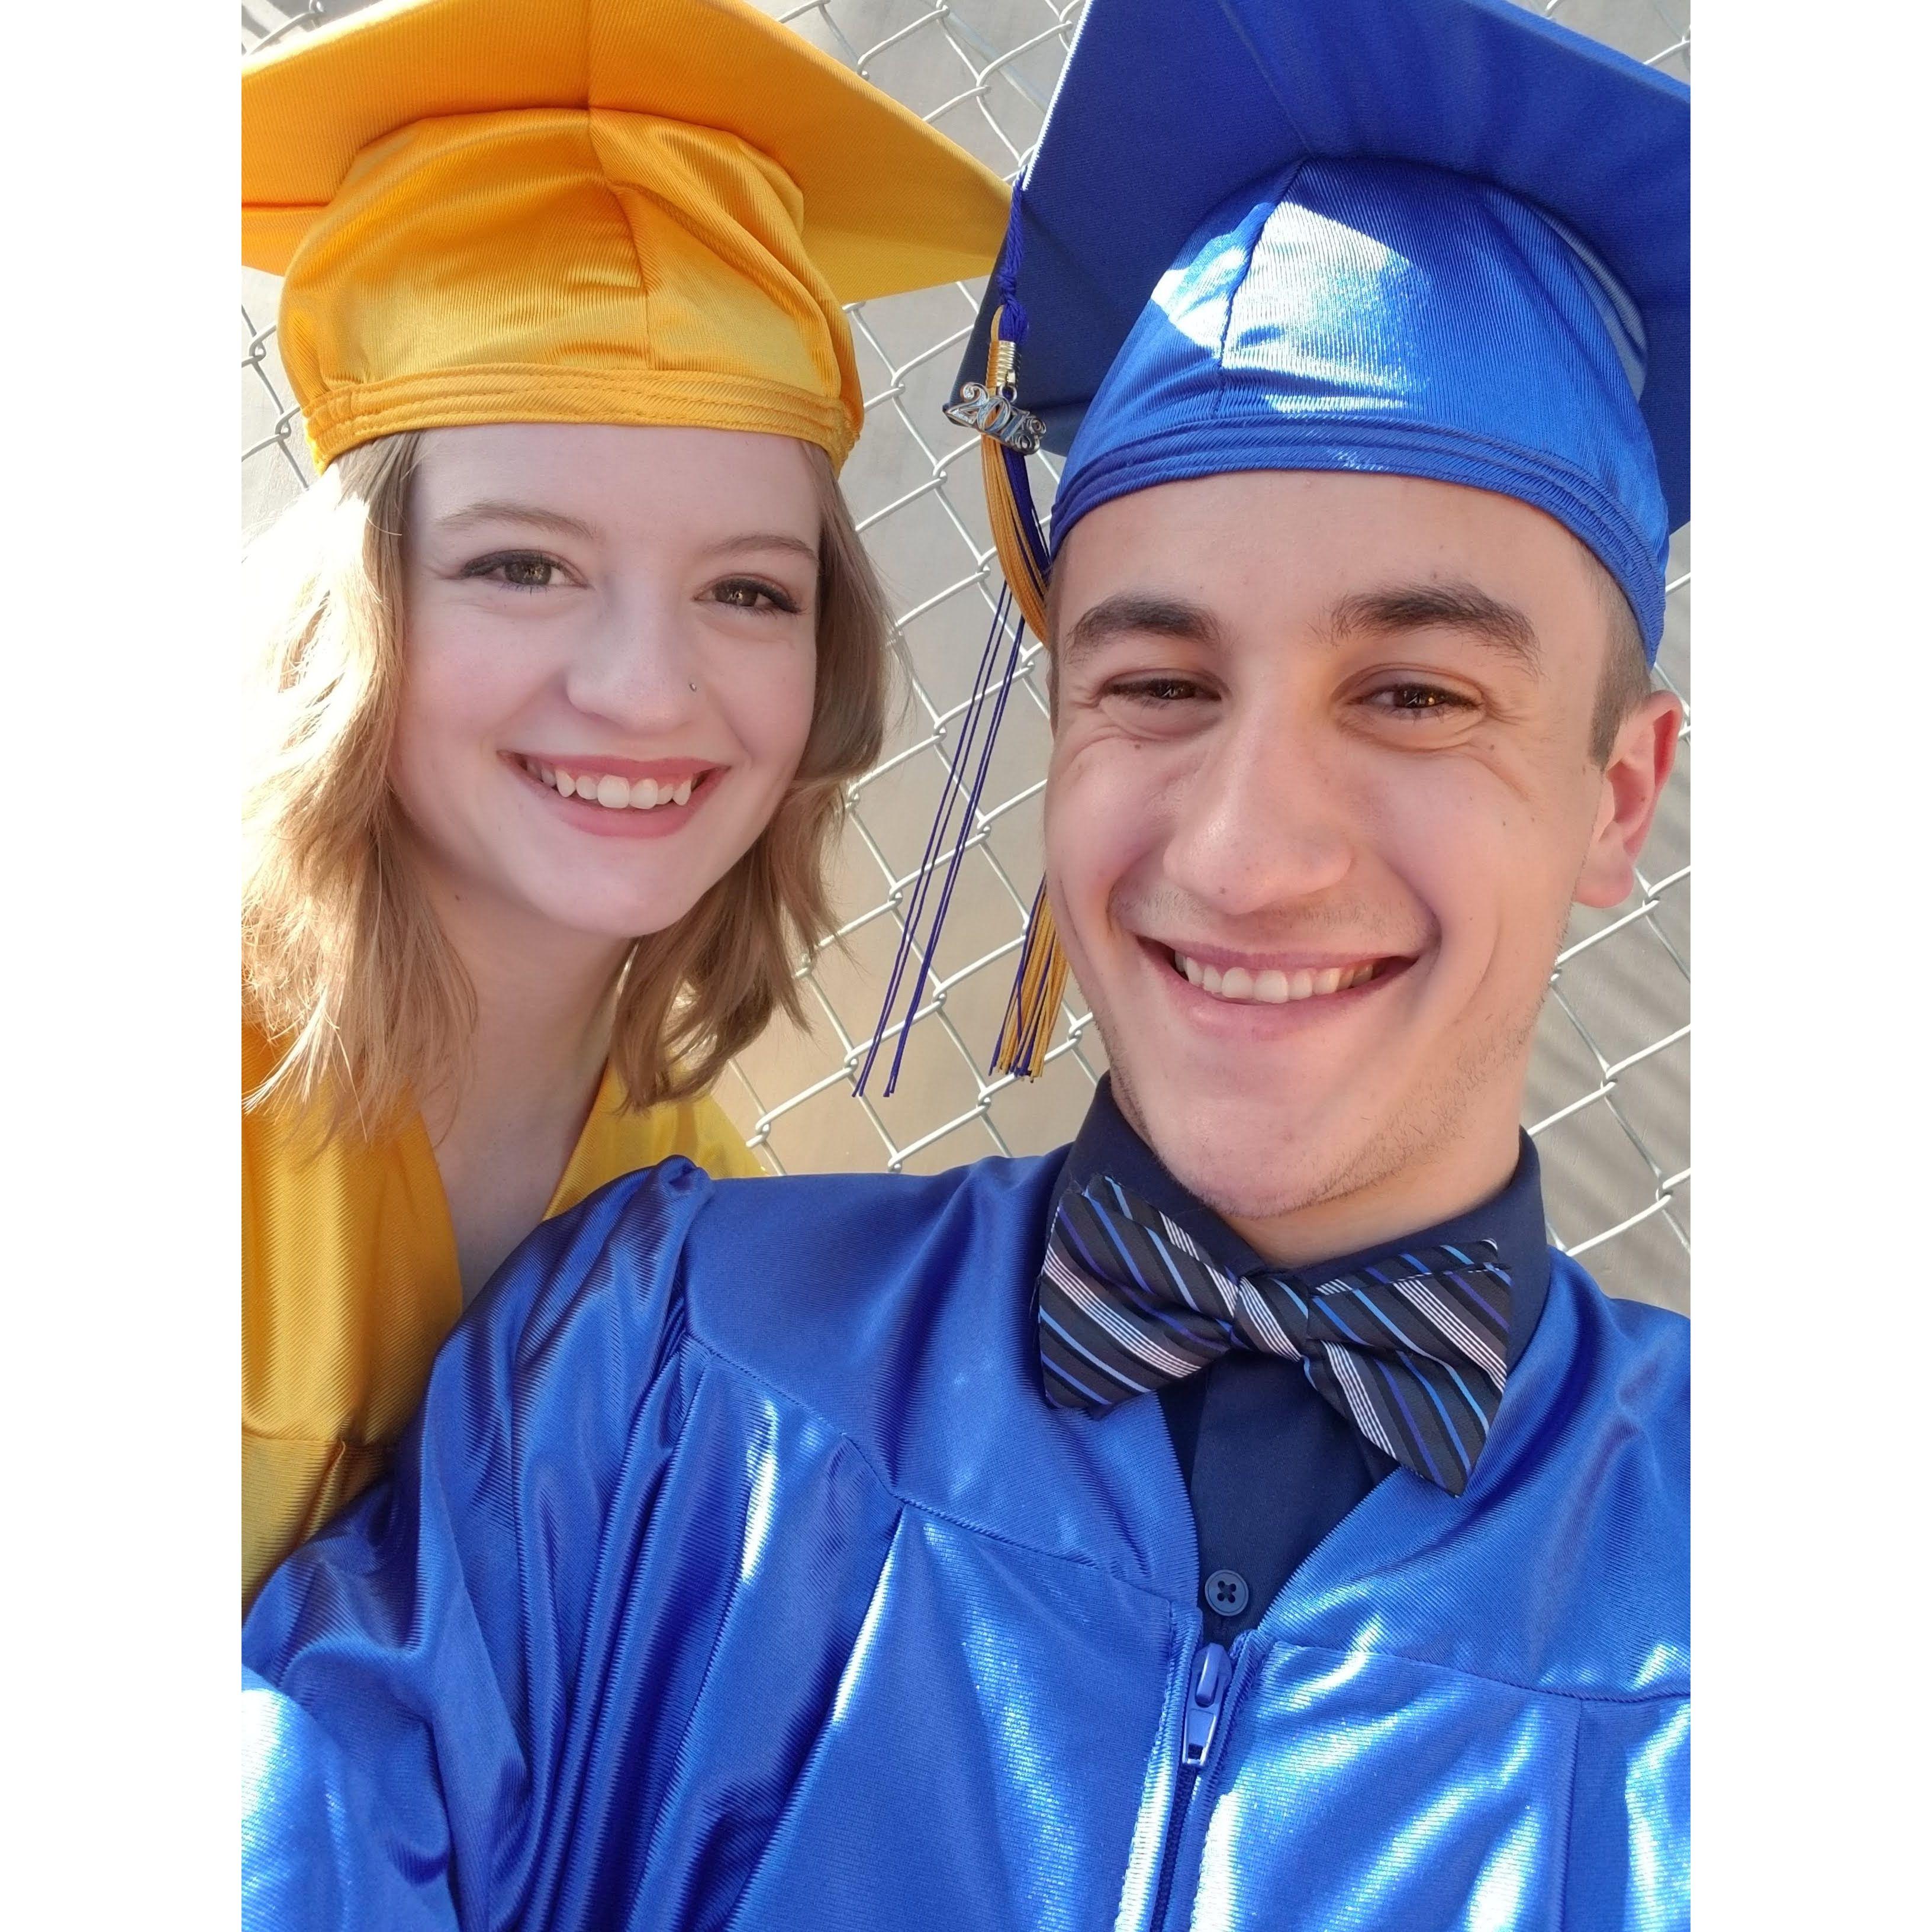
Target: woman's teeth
(607, 788)
(1273, 988)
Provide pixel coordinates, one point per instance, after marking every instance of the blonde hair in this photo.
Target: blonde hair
(345, 966)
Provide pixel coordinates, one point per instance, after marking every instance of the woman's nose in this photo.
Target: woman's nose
(635, 667)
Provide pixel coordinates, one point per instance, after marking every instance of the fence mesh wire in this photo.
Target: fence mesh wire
(1608, 1100)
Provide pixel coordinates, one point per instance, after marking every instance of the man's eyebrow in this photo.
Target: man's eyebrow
(1131, 613)
(501, 510)
(1457, 606)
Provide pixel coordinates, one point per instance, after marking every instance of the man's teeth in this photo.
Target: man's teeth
(607, 789)
(1273, 988)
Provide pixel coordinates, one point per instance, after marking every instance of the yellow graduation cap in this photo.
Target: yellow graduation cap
(645, 212)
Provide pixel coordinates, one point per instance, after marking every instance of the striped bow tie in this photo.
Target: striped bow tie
(1410, 1349)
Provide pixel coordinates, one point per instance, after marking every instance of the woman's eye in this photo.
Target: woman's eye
(751, 593)
(521, 570)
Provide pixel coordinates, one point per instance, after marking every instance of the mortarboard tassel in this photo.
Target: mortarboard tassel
(1016, 537)
(1009, 435)
(1040, 979)
(1038, 986)
(991, 674)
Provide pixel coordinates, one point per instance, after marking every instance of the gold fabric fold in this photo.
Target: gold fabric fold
(630, 212)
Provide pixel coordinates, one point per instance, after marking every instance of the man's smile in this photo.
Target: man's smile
(1210, 980)
(1267, 982)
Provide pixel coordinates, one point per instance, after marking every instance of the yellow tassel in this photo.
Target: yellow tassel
(1027, 1029)
(1038, 986)
(1028, 587)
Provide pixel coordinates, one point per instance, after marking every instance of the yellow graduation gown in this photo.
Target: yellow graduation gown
(350, 1283)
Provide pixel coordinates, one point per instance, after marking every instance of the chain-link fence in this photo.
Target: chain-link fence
(1608, 1098)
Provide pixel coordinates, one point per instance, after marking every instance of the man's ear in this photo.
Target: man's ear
(1633, 780)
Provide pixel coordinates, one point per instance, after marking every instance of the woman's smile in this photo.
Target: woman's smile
(620, 798)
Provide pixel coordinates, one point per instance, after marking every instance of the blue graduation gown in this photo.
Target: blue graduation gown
(735, 1574)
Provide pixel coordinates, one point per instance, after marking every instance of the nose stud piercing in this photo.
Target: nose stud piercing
(694, 684)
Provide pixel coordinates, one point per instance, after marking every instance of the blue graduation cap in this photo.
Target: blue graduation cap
(1444, 238)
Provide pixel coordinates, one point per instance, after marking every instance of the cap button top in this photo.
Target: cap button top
(1226, 1593)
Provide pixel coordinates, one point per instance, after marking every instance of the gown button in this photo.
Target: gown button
(1226, 1592)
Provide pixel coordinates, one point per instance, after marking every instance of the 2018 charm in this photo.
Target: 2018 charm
(991, 414)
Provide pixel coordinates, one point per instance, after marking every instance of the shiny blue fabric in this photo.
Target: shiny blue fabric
(1447, 239)
(735, 1574)
(1374, 316)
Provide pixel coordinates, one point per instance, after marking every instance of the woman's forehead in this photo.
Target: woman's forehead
(650, 478)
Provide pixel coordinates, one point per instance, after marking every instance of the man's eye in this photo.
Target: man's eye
(1419, 701)
(1158, 690)
(752, 593)
(521, 570)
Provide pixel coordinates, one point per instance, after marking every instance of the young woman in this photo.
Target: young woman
(568, 656)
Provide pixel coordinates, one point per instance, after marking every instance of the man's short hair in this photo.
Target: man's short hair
(1624, 681)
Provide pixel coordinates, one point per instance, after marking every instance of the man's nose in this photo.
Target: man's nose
(636, 666)
(1262, 822)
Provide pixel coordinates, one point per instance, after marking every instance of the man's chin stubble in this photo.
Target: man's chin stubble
(1205, 1173)
(1385, 1152)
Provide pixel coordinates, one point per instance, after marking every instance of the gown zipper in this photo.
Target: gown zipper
(1208, 1675)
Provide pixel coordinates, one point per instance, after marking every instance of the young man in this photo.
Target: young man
(1241, 1518)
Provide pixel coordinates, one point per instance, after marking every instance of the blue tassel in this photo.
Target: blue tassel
(968, 739)
(1007, 433)
(1006, 275)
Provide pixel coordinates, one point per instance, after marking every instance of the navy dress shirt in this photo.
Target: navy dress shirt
(1271, 1467)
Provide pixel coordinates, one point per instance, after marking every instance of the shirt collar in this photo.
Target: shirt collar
(1513, 1218)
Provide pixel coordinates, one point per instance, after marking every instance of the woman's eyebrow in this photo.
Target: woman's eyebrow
(763, 540)
(497, 510)
(1455, 607)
